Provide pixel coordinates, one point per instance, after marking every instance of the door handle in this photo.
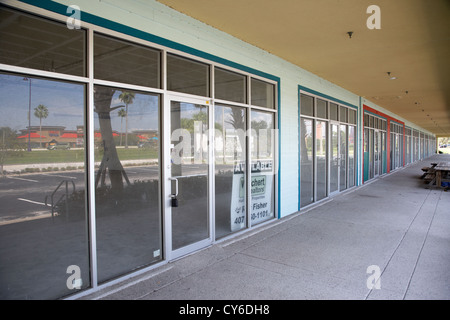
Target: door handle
(174, 200)
(176, 187)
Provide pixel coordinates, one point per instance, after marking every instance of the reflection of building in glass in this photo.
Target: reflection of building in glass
(51, 135)
(146, 135)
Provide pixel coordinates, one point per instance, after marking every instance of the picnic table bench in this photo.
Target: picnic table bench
(437, 174)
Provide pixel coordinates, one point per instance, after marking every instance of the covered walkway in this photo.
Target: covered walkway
(333, 250)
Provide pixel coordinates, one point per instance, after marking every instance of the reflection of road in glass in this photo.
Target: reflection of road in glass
(23, 196)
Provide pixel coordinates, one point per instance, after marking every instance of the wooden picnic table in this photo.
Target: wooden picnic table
(442, 173)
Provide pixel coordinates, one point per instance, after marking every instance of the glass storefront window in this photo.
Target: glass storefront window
(306, 163)
(32, 42)
(321, 109)
(321, 159)
(343, 157)
(306, 105)
(44, 236)
(391, 152)
(371, 154)
(342, 114)
(230, 85)
(351, 156)
(230, 170)
(187, 76)
(262, 146)
(128, 218)
(334, 109)
(263, 94)
(43, 218)
(351, 116)
(122, 61)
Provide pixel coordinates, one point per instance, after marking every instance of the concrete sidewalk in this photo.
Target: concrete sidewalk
(392, 223)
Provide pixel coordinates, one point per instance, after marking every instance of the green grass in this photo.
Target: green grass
(61, 156)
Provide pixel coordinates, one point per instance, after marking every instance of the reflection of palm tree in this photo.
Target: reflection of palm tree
(121, 113)
(257, 126)
(40, 112)
(237, 118)
(110, 161)
(127, 98)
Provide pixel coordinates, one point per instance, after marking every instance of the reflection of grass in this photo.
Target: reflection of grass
(61, 156)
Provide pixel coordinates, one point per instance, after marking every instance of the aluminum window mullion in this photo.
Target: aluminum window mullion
(211, 169)
(314, 155)
(248, 170)
(43, 73)
(211, 157)
(91, 163)
(126, 86)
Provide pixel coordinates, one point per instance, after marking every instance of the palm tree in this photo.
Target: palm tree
(127, 98)
(121, 113)
(40, 112)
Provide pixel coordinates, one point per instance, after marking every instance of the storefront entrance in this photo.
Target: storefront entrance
(187, 192)
(338, 157)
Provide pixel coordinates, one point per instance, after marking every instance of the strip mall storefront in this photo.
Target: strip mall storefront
(120, 200)
(132, 135)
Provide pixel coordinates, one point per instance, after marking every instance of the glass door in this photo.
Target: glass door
(343, 157)
(376, 147)
(334, 157)
(187, 176)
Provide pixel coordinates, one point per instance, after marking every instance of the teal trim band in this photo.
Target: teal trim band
(325, 96)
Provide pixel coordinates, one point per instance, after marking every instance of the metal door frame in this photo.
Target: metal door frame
(171, 254)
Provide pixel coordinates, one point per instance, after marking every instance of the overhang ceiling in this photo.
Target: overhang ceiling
(413, 44)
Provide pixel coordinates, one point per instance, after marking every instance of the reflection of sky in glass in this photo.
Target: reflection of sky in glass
(142, 112)
(263, 116)
(65, 104)
(189, 109)
(223, 117)
(64, 101)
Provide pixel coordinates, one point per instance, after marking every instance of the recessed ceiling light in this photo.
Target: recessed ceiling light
(391, 78)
